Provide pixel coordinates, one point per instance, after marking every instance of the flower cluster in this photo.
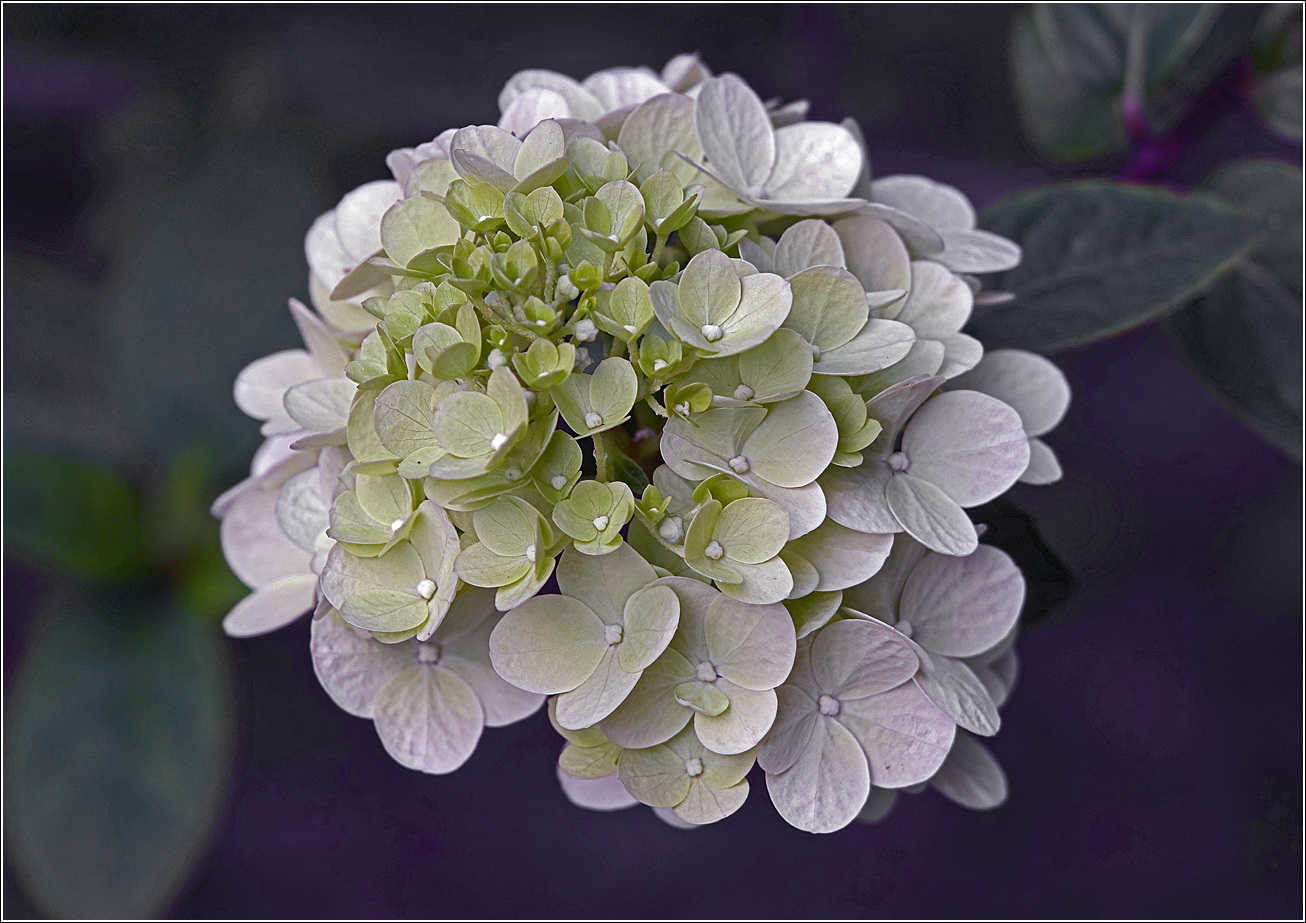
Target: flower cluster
(672, 347)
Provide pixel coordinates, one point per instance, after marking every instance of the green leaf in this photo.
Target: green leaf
(1073, 63)
(1101, 257)
(73, 515)
(119, 749)
(1244, 336)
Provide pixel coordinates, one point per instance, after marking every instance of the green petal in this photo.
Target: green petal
(752, 530)
(829, 306)
(480, 566)
(467, 423)
(549, 644)
(507, 526)
(650, 621)
(613, 388)
(656, 776)
(386, 499)
(402, 417)
(414, 225)
(709, 289)
(777, 369)
(703, 698)
(589, 762)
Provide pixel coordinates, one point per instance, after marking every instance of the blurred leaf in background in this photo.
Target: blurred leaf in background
(1088, 76)
(1278, 63)
(1102, 257)
(117, 753)
(1244, 335)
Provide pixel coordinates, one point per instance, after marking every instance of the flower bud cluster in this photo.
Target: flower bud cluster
(674, 349)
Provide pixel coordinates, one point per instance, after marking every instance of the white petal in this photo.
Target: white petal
(962, 606)
(652, 134)
(875, 253)
(735, 133)
(429, 718)
(827, 785)
(606, 794)
(879, 345)
(322, 404)
(790, 733)
(319, 338)
(970, 776)
(1030, 384)
(941, 207)
(582, 103)
(855, 497)
(804, 245)
(261, 385)
(358, 217)
(254, 545)
(814, 161)
(978, 251)
(751, 645)
(531, 108)
(619, 87)
(843, 557)
(352, 666)
(879, 596)
(905, 737)
(271, 607)
(855, 658)
(1043, 465)
(938, 302)
(970, 445)
(919, 237)
(303, 509)
(931, 517)
(893, 406)
(959, 694)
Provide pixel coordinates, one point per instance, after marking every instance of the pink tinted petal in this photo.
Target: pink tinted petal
(1030, 384)
(959, 694)
(429, 718)
(1043, 465)
(940, 206)
(855, 497)
(970, 445)
(827, 785)
(855, 658)
(271, 607)
(904, 735)
(503, 702)
(962, 606)
(252, 541)
(750, 645)
(790, 733)
(971, 776)
(879, 596)
(930, 516)
(893, 406)
(874, 253)
(352, 666)
(261, 385)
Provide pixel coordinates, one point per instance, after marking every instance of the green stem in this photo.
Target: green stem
(657, 408)
(657, 249)
(602, 458)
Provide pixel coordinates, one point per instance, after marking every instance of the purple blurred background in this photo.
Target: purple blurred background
(161, 167)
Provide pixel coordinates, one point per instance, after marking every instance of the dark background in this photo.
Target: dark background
(161, 167)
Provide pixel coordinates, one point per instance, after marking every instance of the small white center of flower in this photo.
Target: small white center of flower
(659, 364)
(816, 352)
(426, 588)
(600, 522)
(496, 359)
(530, 553)
(493, 299)
(739, 464)
(512, 473)
(904, 627)
(693, 767)
(558, 482)
(428, 653)
(629, 328)
(497, 441)
(828, 705)
(714, 550)
(541, 323)
(396, 525)
(612, 634)
(672, 529)
(712, 332)
(593, 420)
(898, 461)
(585, 330)
(705, 672)
(567, 288)
(683, 408)
(744, 393)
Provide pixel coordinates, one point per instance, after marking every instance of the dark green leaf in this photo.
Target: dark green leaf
(1073, 62)
(1279, 98)
(1244, 336)
(1100, 258)
(117, 756)
(631, 473)
(73, 515)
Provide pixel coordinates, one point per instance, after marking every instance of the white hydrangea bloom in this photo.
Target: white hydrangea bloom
(651, 272)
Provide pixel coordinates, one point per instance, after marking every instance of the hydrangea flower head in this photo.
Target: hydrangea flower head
(672, 349)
